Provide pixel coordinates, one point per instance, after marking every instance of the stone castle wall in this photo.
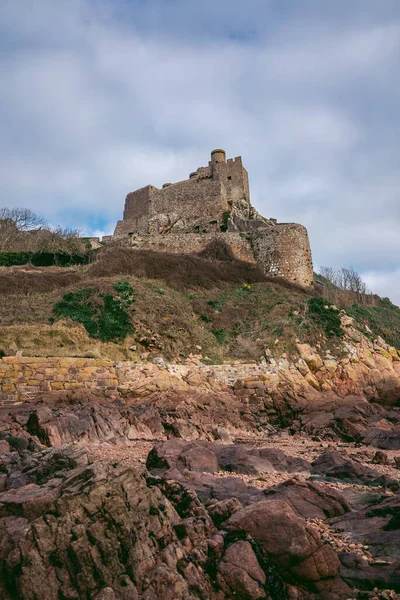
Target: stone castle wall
(188, 204)
(198, 202)
(215, 201)
(284, 251)
(281, 250)
(193, 243)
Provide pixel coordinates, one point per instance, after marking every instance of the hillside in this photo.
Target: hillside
(249, 446)
(213, 306)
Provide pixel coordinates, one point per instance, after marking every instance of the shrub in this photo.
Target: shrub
(327, 315)
(215, 305)
(10, 259)
(103, 316)
(43, 259)
(125, 292)
(205, 318)
(225, 217)
(220, 335)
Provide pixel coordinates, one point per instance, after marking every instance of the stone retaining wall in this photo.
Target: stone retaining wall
(370, 369)
(24, 378)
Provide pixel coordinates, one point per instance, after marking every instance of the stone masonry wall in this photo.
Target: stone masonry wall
(194, 243)
(214, 198)
(284, 251)
(187, 204)
(370, 369)
(199, 201)
(137, 204)
(25, 378)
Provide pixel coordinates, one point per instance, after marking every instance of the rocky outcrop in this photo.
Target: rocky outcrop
(332, 465)
(103, 531)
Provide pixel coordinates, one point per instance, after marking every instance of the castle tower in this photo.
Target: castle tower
(218, 156)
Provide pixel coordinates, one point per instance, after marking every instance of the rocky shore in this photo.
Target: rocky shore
(192, 483)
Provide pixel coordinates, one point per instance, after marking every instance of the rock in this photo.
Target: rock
(106, 594)
(255, 461)
(389, 390)
(164, 582)
(376, 523)
(239, 573)
(56, 462)
(313, 360)
(4, 447)
(380, 458)
(28, 501)
(207, 457)
(309, 499)
(101, 519)
(296, 549)
(332, 464)
(221, 510)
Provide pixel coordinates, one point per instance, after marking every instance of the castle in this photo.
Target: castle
(214, 203)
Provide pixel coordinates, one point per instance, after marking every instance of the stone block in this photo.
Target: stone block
(9, 387)
(57, 385)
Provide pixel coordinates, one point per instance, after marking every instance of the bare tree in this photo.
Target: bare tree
(23, 230)
(329, 274)
(344, 285)
(13, 222)
(24, 218)
(353, 281)
(60, 240)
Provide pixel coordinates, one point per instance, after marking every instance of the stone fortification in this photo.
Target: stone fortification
(214, 202)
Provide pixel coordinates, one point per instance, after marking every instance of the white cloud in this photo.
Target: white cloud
(101, 98)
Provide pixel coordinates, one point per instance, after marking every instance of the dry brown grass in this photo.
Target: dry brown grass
(61, 339)
(181, 272)
(22, 280)
(218, 250)
(183, 305)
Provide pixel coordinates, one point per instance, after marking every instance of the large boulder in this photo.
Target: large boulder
(294, 546)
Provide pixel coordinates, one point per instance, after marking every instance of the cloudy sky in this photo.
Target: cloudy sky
(100, 97)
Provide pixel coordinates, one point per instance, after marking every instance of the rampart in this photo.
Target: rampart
(214, 202)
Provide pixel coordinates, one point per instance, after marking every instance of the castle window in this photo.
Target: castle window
(229, 177)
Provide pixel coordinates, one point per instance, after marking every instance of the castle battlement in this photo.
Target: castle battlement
(214, 202)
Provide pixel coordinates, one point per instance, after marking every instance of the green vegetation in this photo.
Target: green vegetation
(103, 316)
(382, 320)
(327, 315)
(42, 259)
(173, 306)
(225, 217)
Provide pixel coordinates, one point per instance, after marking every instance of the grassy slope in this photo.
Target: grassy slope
(204, 309)
(383, 320)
